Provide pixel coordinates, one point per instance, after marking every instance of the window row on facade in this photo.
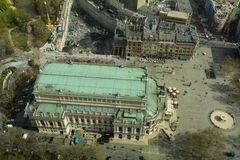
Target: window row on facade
(46, 123)
(90, 99)
(120, 136)
(79, 120)
(132, 130)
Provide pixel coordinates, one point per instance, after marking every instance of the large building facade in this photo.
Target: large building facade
(156, 39)
(217, 12)
(121, 100)
(237, 32)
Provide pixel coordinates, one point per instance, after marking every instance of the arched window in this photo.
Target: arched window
(120, 136)
(137, 137)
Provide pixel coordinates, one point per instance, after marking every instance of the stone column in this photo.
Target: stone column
(125, 129)
(56, 124)
(38, 123)
(134, 130)
(53, 124)
(91, 121)
(47, 124)
(73, 119)
(117, 128)
(96, 121)
(67, 118)
(63, 125)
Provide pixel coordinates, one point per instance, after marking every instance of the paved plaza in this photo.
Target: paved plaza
(197, 100)
(199, 95)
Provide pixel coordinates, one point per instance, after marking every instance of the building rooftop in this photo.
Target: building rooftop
(186, 34)
(148, 11)
(97, 80)
(91, 80)
(184, 6)
(171, 32)
(177, 14)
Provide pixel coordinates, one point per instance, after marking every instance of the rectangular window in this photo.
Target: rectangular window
(76, 119)
(129, 129)
(50, 123)
(120, 129)
(59, 124)
(42, 123)
(138, 130)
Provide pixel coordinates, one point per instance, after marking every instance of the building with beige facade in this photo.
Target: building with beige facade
(174, 16)
(121, 100)
(158, 39)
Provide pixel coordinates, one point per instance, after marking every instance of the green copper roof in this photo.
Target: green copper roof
(130, 116)
(98, 80)
(152, 98)
(91, 79)
(49, 108)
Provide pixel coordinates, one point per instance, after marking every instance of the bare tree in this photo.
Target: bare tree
(204, 144)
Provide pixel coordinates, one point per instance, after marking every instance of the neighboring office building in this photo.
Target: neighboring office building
(237, 33)
(92, 98)
(175, 17)
(170, 41)
(217, 12)
(150, 12)
(160, 39)
(185, 6)
(181, 12)
(134, 5)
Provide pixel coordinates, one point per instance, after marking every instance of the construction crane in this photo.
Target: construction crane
(232, 16)
(50, 26)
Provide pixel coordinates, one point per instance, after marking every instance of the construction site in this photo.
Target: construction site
(221, 13)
